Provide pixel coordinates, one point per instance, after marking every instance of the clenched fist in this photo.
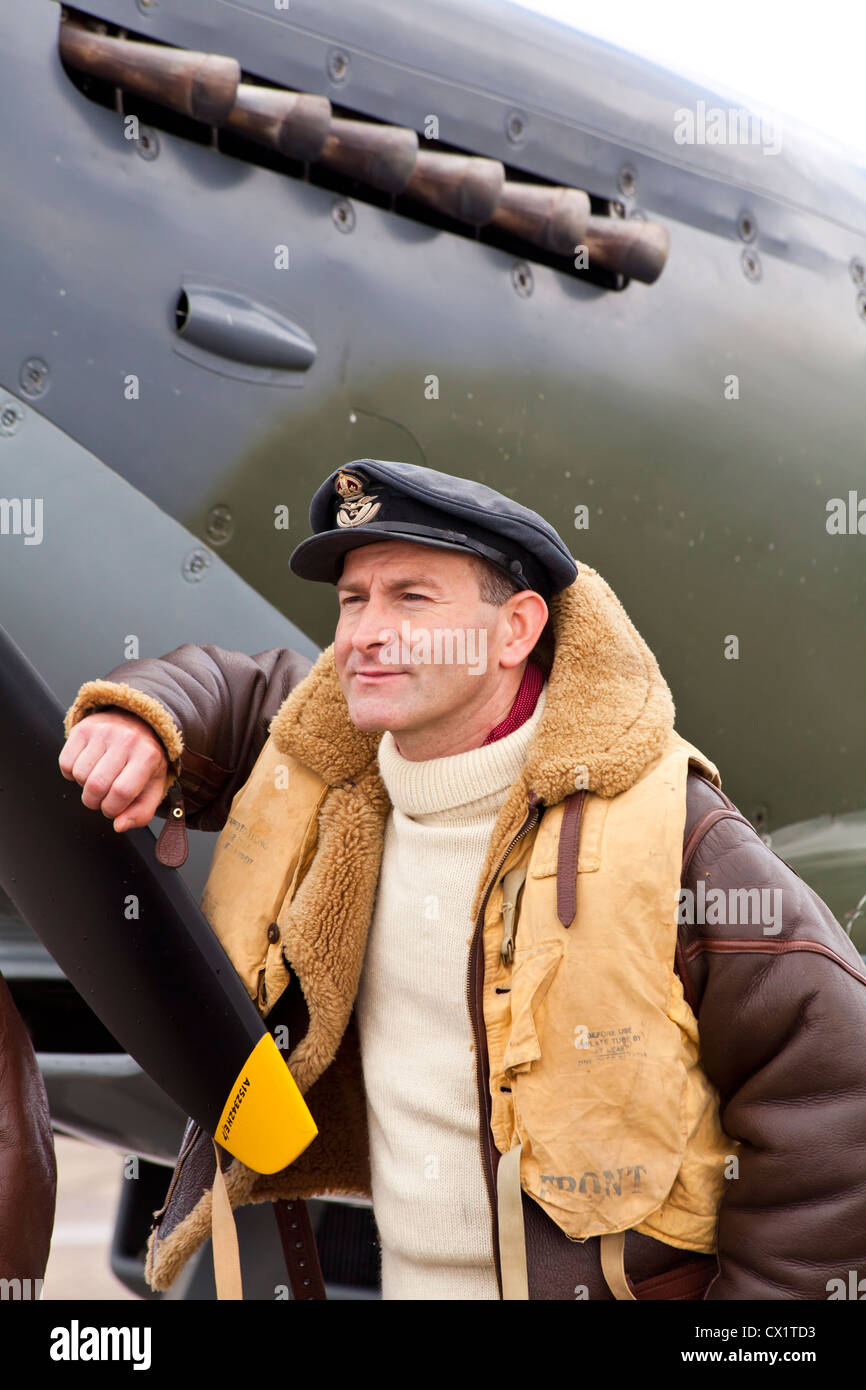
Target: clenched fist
(121, 764)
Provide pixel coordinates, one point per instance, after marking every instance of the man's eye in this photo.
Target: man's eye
(356, 598)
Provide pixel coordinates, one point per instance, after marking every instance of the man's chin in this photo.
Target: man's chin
(375, 713)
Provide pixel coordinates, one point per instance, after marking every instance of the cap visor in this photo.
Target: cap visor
(321, 556)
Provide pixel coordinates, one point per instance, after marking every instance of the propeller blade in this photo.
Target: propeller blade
(130, 937)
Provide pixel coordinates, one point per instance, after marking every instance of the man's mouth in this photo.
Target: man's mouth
(371, 677)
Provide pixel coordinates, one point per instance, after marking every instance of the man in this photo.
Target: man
(458, 849)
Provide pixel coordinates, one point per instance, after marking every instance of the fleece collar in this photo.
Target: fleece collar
(607, 715)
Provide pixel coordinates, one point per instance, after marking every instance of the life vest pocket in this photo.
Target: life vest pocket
(531, 978)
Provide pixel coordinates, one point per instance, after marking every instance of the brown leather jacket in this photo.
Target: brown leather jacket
(782, 1022)
(28, 1170)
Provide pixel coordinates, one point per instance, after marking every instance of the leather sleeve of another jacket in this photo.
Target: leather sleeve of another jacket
(28, 1170)
(211, 707)
(783, 1039)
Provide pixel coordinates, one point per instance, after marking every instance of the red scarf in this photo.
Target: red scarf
(524, 703)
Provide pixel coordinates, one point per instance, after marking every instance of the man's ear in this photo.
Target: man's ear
(530, 608)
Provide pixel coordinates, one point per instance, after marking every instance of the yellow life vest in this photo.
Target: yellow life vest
(593, 1050)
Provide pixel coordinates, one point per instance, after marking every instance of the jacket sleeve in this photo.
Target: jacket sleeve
(210, 707)
(28, 1169)
(782, 1020)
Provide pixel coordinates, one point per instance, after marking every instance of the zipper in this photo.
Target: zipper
(181, 1159)
(481, 1053)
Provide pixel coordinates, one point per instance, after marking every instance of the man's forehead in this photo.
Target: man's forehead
(399, 562)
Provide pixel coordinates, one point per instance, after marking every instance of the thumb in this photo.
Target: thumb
(142, 810)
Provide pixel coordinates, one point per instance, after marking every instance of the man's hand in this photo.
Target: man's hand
(120, 763)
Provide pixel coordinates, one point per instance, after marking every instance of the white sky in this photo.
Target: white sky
(805, 59)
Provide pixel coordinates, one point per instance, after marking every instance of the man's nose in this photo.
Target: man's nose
(374, 625)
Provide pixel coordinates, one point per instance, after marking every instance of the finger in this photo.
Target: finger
(87, 759)
(105, 768)
(142, 769)
(141, 811)
(71, 749)
(84, 736)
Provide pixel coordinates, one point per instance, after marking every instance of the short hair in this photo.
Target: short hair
(494, 586)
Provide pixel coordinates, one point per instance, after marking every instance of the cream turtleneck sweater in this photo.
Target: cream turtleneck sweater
(429, 1195)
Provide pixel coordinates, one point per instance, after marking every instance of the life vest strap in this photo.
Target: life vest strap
(224, 1239)
(512, 1240)
(613, 1264)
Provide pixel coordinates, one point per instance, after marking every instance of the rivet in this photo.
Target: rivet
(515, 127)
(147, 144)
(220, 524)
(627, 180)
(10, 418)
(521, 279)
(34, 376)
(343, 215)
(751, 263)
(338, 65)
(195, 566)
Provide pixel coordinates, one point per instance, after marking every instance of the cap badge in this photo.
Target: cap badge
(357, 506)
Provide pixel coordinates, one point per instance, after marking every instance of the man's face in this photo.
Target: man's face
(402, 603)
